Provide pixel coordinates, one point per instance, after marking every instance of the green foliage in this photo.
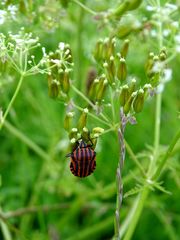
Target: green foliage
(77, 52)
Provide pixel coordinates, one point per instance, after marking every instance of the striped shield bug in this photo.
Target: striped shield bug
(82, 159)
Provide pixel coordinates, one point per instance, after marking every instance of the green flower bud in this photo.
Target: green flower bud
(66, 82)
(94, 138)
(139, 101)
(67, 120)
(108, 48)
(124, 95)
(101, 89)
(133, 4)
(149, 65)
(98, 130)
(85, 134)
(73, 133)
(93, 89)
(121, 9)
(82, 119)
(132, 86)
(146, 88)
(122, 70)
(54, 88)
(125, 48)
(163, 54)
(98, 50)
(110, 70)
(128, 104)
(73, 143)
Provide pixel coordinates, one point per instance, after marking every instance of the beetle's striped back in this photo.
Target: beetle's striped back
(83, 161)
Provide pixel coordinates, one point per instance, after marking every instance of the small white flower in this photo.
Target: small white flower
(177, 38)
(3, 15)
(166, 32)
(61, 46)
(150, 8)
(167, 75)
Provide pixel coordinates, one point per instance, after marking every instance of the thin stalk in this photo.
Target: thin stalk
(119, 174)
(144, 194)
(4, 228)
(93, 116)
(167, 155)
(112, 106)
(139, 207)
(12, 100)
(156, 134)
(84, 7)
(88, 101)
(79, 49)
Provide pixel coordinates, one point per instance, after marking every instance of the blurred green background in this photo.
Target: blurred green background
(80, 208)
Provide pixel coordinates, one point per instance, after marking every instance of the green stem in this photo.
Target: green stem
(89, 102)
(84, 7)
(12, 100)
(4, 228)
(156, 135)
(26, 140)
(79, 49)
(93, 116)
(141, 201)
(112, 106)
(167, 155)
(144, 194)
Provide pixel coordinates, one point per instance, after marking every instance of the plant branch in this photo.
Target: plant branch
(84, 7)
(167, 155)
(12, 100)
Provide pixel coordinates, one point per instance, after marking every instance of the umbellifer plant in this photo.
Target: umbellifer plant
(113, 98)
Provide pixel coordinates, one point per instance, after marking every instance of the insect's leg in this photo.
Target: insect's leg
(69, 155)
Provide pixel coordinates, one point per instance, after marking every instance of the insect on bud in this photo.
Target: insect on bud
(122, 70)
(82, 119)
(139, 101)
(125, 48)
(124, 95)
(67, 120)
(128, 104)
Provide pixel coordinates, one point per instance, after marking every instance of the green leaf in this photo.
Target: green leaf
(133, 191)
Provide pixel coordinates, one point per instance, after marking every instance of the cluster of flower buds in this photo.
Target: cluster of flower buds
(81, 131)
(131, 98)
(60, 65)
(155, 66)
(113, 62)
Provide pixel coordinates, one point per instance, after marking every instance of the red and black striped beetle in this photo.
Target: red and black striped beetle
(83, 159)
